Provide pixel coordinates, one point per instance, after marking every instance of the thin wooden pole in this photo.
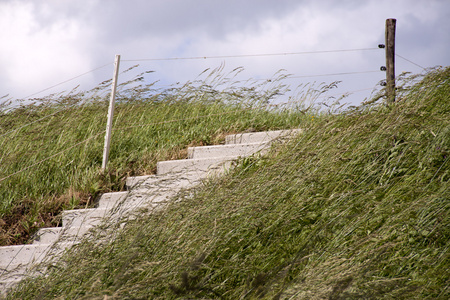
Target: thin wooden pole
(110, 113)
(390, 60)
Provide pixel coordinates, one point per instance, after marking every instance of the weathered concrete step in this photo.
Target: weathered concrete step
(47, 235)
(17, 272)
(109, 200)
(168, 180)
(136, 180)
(75, 217)
(13, 256)
(201, 165)
(23, 261)
(54, 234)
(258, 137)
(6, 285)
(148, 191)
(12, 278)
(226, 150)
(83, 217)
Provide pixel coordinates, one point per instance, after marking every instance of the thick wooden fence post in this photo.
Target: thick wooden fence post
(110, 113)
(390, 60)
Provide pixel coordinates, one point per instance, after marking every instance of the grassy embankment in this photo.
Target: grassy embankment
(149, 126)
(357, 207)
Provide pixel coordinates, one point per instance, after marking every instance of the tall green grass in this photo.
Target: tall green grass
(356, 207)
(51, 150)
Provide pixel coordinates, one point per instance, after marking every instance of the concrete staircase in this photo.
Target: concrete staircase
(143, 195)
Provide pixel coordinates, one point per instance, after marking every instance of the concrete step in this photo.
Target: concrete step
(12, 277)
(203, 159)
(7, 284)
(23, 261)
(60, 234)
(83, 217)
(226, 150)
(109, 200)
(47, 235)
(17, 272)
(258, 137)
(201, 165)
(78, 222)
(168, 180)
(156, 189)
(132, 182)
(13, 256)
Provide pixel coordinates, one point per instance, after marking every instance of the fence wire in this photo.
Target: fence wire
(408, 60)
(252, 55)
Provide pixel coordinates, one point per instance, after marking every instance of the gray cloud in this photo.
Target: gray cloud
(53, 39)
(139, 18)
(426, 40)
(173, 17)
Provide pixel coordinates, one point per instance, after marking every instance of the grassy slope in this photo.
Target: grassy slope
(356, 207)
(146, 130)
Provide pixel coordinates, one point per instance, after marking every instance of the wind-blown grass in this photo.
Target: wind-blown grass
(51, 151)
(356, 207)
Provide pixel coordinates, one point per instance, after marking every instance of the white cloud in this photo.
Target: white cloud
(53, 40)
(37, 56)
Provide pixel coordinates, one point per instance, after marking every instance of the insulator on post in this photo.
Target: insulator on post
(383, 68)
(381, 46)
(383, 83)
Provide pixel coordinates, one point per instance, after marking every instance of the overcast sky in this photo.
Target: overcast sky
(47, 42)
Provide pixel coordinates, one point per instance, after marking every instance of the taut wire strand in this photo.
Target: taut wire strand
(251, 55)
(65, 81)
(410, 61)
